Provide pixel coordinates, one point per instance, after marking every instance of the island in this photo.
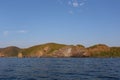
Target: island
(55, 50)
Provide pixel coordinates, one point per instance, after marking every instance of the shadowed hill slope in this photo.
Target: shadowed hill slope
(9, 51)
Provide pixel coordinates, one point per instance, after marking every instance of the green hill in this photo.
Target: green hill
(9, 51)
(43, 49)
(61, 50)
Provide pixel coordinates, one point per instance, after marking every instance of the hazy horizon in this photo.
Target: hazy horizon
(26, 23)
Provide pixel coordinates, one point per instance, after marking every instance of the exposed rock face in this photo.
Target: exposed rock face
(2, 55)
(70, 51)
(63, 52)
(39, 54)
(20, 55)
(78, 51)
(46, 49)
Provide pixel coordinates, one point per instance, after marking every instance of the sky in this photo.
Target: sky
(25, 23)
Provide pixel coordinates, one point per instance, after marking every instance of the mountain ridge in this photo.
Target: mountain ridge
(61, 50)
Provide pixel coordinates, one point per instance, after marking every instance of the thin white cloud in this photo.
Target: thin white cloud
(75, 4)
(82, 3)
(22, 31)
(6, 33)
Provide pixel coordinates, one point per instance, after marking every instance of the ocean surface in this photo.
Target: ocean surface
(59, 68)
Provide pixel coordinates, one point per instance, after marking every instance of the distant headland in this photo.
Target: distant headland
(61, 50)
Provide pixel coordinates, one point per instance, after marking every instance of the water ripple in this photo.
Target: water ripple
(59, 69)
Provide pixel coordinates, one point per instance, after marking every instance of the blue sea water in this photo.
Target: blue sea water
(59, 68)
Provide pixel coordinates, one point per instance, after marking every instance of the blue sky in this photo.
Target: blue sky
(25, 23)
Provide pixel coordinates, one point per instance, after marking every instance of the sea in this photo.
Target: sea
(59, 68)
